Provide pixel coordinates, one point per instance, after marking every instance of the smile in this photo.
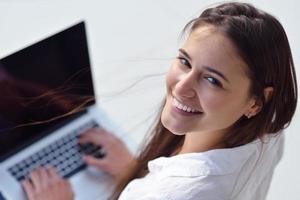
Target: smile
(183, 107)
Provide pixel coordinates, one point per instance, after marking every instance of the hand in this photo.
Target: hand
(46, 184)
(117, 159)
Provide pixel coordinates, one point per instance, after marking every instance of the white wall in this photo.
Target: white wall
(133, 38)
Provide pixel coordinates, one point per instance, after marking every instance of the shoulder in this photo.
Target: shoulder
(159, 187)
(190, 188)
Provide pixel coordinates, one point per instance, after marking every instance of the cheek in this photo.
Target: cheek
(171, 78)
(223, 106)
(211, 103)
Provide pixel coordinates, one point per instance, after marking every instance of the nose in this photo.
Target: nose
(185, 87)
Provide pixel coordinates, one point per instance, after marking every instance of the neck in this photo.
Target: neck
(195, 142)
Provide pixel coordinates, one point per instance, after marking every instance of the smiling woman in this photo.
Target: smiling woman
(231, 91)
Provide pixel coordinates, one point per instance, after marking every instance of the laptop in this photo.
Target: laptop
(47, 101)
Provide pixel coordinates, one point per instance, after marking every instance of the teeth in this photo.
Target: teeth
(183, 107)
(180, 106)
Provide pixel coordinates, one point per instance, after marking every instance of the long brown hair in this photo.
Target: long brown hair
(263, 45)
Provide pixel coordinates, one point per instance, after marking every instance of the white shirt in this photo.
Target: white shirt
(240, 173)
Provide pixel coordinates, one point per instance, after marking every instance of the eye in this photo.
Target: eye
(184, 61)
(213, 81)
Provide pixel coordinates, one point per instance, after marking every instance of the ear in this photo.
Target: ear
(256, 105)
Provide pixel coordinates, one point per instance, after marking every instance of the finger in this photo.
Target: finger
(99, 163)
(98, 131)
(68, 185)
(53, 174)
(92, 136)
(28, 187)
(44, 177)
(35, 179)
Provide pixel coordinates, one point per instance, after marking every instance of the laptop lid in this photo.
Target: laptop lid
(43, 87)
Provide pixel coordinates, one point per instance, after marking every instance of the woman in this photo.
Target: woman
(230, 92)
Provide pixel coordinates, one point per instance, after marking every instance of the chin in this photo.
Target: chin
(174, 128)
(175, 132)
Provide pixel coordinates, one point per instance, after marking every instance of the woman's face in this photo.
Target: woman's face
(207, 85)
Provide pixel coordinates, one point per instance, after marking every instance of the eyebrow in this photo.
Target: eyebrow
(208, 68)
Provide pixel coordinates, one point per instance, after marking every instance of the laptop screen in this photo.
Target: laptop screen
(43, 87)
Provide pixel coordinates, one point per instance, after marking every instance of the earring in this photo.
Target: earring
(249, 115)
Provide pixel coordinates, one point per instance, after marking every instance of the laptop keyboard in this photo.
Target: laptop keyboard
(64, 154)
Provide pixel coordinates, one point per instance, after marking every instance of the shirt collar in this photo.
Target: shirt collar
(212, 162)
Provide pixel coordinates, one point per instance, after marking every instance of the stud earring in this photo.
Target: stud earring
(249, 115)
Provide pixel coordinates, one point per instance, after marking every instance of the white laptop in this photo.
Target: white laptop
(39, 87)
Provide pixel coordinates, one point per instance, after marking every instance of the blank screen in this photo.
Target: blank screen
(41, 86)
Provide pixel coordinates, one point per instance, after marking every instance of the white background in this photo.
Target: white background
(130, 40)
